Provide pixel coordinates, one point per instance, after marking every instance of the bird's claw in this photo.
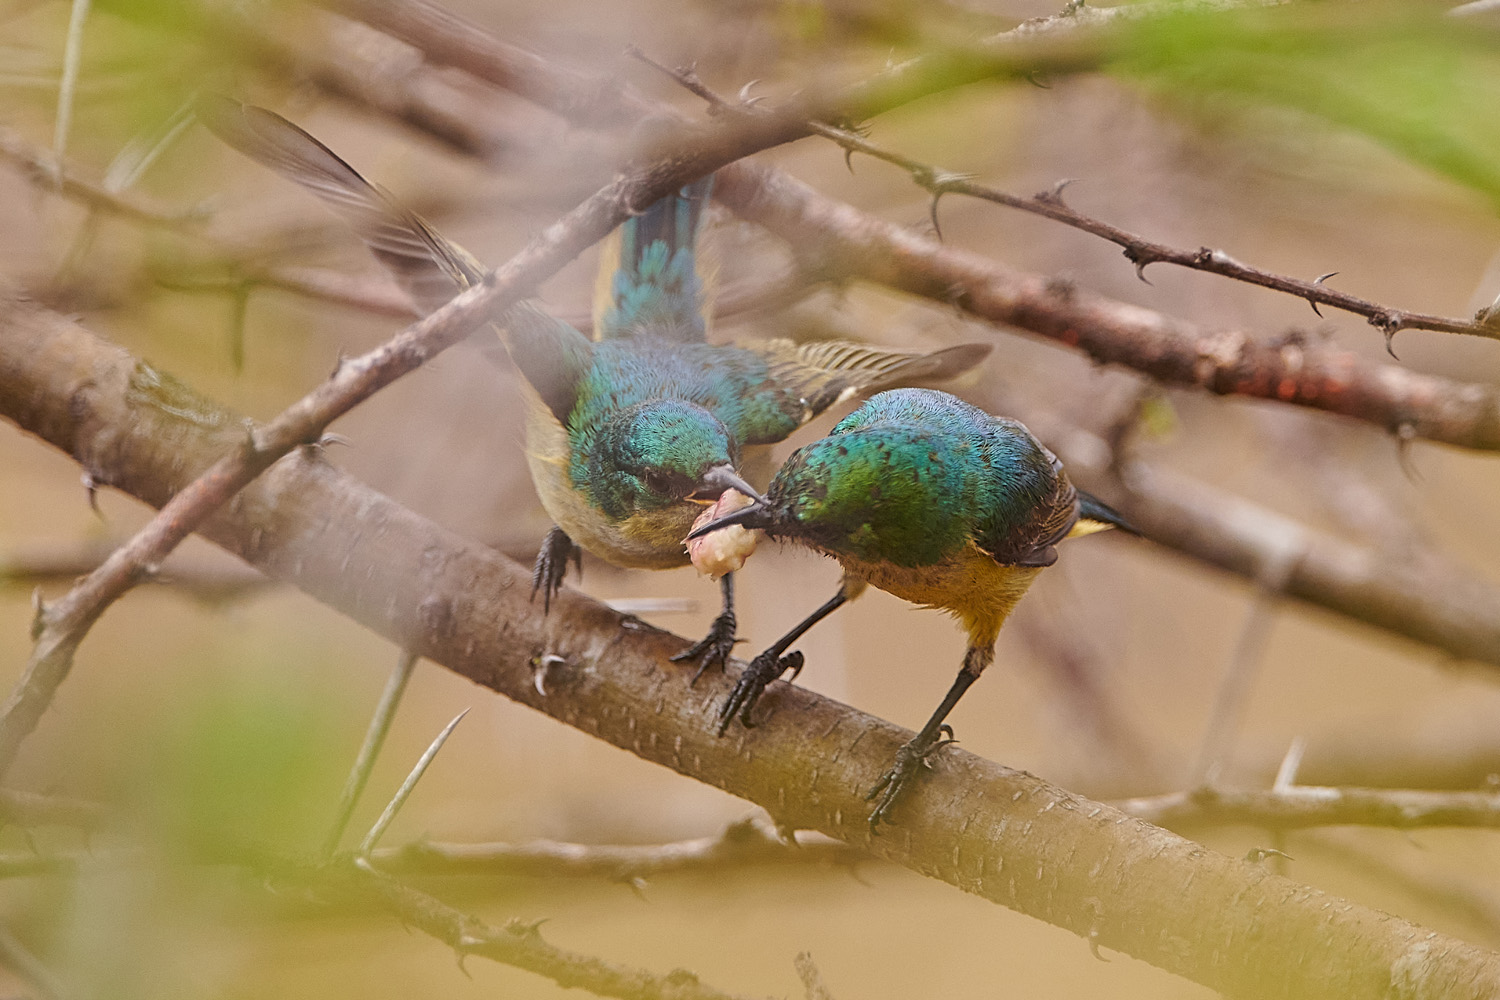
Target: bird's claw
(909, 759)
(552, 565)
(760, 672)
(713, 649)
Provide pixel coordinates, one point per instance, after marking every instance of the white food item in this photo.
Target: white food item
(725, 550)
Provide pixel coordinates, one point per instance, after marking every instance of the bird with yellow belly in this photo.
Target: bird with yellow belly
(931, 499)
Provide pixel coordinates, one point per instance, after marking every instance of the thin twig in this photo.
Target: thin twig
(16, 149)
(67, 87)
(520, 944)
(369, 750)
(209, 583)
(1142, 252)
(812, 979)
(18, 959)
(28, 809)
(1302, 806)
(741, 844)
(409, 785)
(1244, 662)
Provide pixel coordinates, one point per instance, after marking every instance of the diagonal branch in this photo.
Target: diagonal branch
(992, 831)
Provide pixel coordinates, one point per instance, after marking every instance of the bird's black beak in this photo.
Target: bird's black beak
(755, 515)
(720, 478)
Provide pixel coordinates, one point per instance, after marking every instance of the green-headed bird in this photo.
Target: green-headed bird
(629, 435)
(932, 500)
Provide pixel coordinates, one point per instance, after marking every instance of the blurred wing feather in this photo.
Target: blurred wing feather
(824, 372)
(428, 267)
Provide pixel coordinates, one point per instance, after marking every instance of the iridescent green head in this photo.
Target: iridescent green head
(654, 454)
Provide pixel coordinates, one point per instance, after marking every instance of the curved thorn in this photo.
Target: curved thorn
(932, 212)
(1315, 309)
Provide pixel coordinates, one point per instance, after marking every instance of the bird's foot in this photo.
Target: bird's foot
(909, 760)
(713, 649)
(552, 565)
(760, 672)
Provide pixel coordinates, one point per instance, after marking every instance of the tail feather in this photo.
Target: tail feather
(653, 277)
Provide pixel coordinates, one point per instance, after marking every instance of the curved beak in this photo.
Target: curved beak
(720, 478)
(753, 515)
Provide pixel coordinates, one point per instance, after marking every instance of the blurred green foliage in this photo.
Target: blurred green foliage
(1425, 86)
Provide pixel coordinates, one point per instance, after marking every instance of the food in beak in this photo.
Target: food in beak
(726, 550)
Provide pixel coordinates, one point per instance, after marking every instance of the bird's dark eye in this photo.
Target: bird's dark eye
(658, 481)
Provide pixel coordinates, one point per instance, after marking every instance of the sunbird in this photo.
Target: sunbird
(631, 435)
(930, 499)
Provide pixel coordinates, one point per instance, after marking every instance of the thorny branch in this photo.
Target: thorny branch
(1142, 252)
(518, 943)
(742, 844)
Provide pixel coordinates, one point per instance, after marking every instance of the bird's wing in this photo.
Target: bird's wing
(824, 372)
(428, 267)
(654, 277)
(550, 354)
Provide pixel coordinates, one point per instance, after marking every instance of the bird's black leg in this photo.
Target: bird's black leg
(714, 649)
(934, 735)
(552, 565)
(770, 665)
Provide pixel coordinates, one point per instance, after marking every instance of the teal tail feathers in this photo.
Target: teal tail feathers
(657, 284)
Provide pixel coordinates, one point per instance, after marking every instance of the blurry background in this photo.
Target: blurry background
(202, 718)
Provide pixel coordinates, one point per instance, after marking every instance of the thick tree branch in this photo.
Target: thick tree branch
(47, 170)
(1425, 598)
(996, 832)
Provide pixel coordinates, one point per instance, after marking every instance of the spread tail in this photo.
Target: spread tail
(653, 276)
